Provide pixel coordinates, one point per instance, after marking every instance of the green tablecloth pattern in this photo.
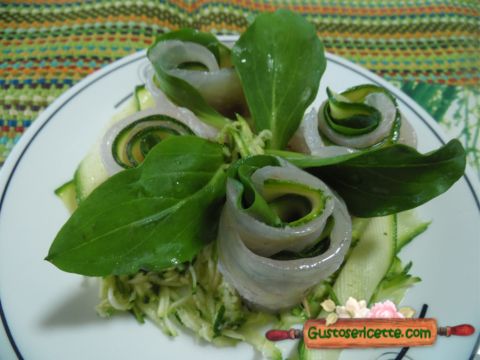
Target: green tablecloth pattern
(428, 48)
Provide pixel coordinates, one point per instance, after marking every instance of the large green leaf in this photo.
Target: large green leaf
(150, 217)
(280, 61)
(386, 180)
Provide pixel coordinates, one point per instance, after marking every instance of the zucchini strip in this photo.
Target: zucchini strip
(128, 141)
(360, 117)
(246, 243)
(134, 141)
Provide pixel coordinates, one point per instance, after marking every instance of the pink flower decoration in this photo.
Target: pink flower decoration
(386, 309)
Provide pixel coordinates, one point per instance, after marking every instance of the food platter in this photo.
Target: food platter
(47, 313)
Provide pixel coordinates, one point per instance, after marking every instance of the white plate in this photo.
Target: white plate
(48, 314)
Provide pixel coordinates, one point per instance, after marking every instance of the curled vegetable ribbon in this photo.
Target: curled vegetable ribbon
(360, 117)
(194, 70)
(134, 141)
(128, 141)
(281, 228)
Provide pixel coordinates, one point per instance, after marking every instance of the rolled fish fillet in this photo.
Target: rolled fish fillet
(307, 139)
(127, 141)
(359, 118)
(220, 87)
(407, 136)
(245, 244)
(167, 107)
(380, 101)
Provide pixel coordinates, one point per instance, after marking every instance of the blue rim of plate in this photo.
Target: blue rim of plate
(84, 84)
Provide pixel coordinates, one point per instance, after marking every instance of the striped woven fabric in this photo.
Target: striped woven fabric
(430, 48)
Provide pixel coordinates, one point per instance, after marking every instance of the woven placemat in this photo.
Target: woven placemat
(428, 48)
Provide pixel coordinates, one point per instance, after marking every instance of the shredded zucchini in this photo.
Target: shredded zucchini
(192, 296)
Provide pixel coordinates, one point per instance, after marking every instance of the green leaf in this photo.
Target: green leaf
(386, 180)
(180, 91)
(151, 217)
(280, 61)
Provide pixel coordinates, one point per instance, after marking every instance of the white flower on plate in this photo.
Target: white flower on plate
(331, 319)
(353, 309)
(328, 305)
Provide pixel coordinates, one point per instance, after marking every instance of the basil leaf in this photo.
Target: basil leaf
(280, 61)
(386, 180)
(179, 90)
(150, 217)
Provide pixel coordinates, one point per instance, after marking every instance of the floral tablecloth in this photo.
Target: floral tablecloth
(428, 48)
